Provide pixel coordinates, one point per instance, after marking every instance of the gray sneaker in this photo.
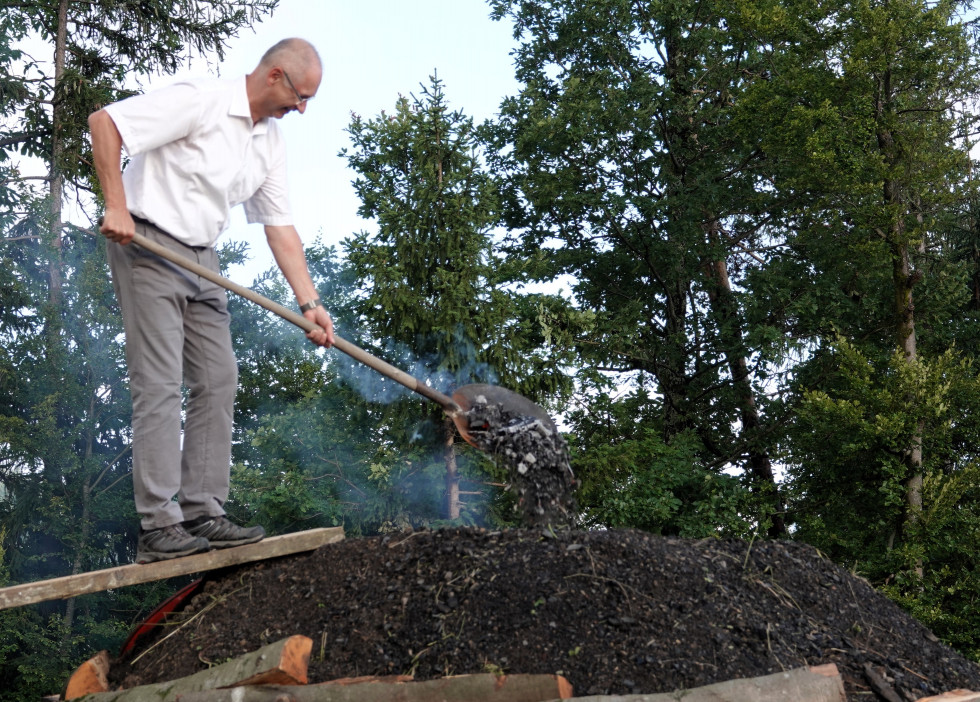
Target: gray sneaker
(168, 542)
(221, 532)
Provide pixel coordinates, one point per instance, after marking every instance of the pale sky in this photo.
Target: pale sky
(372, 51)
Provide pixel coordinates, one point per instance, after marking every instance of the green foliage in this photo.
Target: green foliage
(634, 168)
(856, 435)
(630, 477)
(34, 657)
(857, 432)
(945, 597)
(433, 291)
(818, 154)
(429, 270)
(310, 449)
(646, 484)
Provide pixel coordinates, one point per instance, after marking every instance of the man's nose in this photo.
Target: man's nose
(301, 108)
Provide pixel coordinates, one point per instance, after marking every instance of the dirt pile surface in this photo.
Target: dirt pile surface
(616, 612)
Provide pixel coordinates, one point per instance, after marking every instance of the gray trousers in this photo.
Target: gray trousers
(177, 333)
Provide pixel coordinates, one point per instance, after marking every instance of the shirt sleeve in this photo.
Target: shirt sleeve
(148, 121)
(270, 203)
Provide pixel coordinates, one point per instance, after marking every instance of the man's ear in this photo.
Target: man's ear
(273, 76)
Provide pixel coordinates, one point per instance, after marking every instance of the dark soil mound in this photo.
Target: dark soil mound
(613, 611)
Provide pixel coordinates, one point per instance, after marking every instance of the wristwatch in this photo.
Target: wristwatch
(311, 305)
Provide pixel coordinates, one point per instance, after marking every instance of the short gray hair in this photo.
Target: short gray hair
(293, 51)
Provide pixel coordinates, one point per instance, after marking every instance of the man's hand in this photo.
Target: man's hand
(324, 335)
(118, 225)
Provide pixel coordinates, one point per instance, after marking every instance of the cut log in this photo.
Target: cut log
(460, 688)
(800, 685)
(91, 676)
(954, 696)
(134, 574)
(370, 679)
(282, 663)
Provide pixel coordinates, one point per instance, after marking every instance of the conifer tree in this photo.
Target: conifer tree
(430, 275)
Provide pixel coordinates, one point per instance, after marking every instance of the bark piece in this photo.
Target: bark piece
(284, 662)
(880, 685)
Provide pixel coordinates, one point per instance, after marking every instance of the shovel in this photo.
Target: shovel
(455, 407)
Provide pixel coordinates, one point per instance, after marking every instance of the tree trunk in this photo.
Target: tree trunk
(903, 280)
(56, 194)
(452, 473)
(55, 179)
(725, 310)
(670, 368)
(85, 527)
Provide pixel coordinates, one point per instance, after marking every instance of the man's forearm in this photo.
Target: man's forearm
(287, 248)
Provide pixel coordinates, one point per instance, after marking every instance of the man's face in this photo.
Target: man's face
(294, 90)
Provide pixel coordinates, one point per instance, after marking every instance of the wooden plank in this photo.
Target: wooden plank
(459, 688)
(880, 685)
(285, 661)
(134, 574)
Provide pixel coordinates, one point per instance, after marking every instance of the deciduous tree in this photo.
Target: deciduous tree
(633, 172)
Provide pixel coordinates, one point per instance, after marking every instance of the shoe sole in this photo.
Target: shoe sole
(143, 557)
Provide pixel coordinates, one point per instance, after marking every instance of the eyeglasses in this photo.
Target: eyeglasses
(300, 99)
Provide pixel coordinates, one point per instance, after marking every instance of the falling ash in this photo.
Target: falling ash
(536, 455)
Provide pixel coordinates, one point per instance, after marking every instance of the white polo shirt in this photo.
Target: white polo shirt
(195, 154)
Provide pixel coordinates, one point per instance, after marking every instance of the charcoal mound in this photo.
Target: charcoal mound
(615, 612)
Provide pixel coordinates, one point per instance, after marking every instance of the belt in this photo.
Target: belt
(140, 220)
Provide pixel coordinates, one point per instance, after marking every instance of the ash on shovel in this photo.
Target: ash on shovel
(536, 456)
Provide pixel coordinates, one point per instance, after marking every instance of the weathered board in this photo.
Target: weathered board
(134, 574)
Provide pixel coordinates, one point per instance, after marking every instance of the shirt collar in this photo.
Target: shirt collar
(240, 108)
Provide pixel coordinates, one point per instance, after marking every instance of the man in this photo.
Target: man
(197, 149)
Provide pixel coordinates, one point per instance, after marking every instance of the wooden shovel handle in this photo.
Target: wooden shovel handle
(358, 354)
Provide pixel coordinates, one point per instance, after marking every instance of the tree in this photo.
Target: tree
(867, 122)
(430, 275)
(878, 94)
(633, 171)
